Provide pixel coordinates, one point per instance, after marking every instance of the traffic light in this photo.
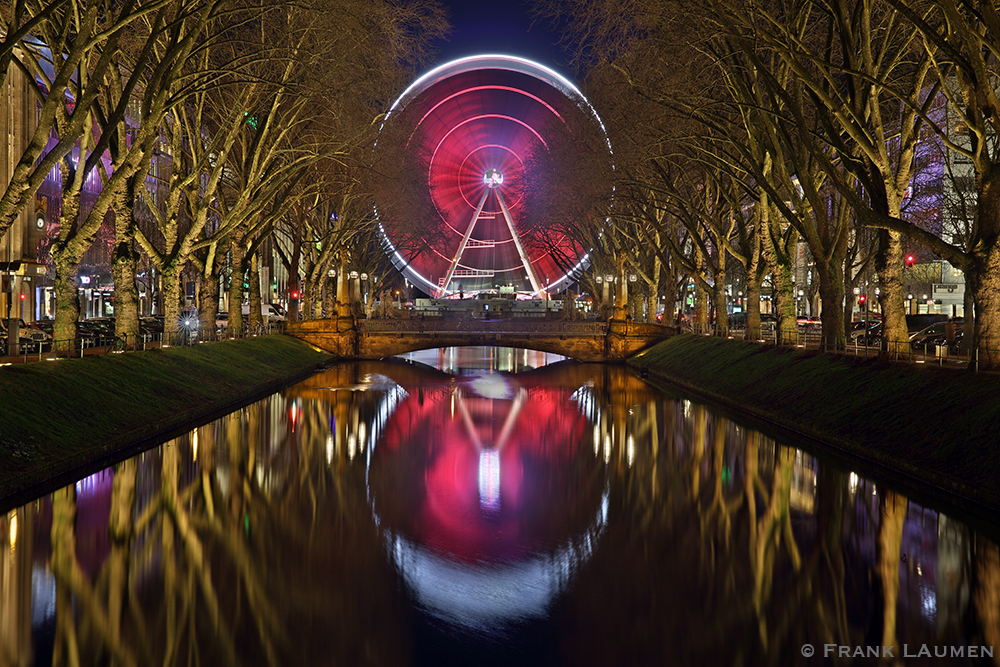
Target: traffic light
(862, 299)
(294, 294)
(909, 261)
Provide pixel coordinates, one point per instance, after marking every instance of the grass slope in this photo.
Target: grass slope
(936, 425)
(55, 416)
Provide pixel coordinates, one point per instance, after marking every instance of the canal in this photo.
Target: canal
(488, 506)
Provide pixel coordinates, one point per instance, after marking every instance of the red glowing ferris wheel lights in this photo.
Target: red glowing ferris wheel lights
(480, 120)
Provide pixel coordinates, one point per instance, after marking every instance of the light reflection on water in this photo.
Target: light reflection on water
(392, 513)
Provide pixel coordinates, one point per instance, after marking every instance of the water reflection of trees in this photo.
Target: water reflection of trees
(735, 550)
(223, 553)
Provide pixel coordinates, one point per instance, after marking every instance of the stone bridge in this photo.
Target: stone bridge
(614, 340)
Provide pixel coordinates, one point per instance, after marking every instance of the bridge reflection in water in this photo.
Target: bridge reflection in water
(391, 513)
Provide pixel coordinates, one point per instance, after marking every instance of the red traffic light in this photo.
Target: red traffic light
(862, 299)
(295, 295)
(909, 260)
(22, 296)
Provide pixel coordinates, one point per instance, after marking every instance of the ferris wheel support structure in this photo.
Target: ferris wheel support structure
(492, 179)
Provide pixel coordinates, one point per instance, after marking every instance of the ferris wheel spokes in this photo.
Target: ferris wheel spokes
(461, 247)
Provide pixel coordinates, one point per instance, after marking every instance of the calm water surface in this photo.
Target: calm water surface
(488, 506)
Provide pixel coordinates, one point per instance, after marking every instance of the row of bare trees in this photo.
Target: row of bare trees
(741, 130)
(216, 129)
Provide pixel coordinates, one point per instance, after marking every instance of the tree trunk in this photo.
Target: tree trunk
(783, 302)
(124, 260)
(294, 285)
(754, 277)
(621, 289)
(67, 301)
(172, 288)
(329, 296)
(983, 277)
(779, 261)
(831, 290)
(888, 265)
(752, 307)
(237, 254)
(256, 316)
(343, 285)
(700, 308)
(316, 296)
(721, 307)
(208, 298)
(653, 299)
(849, 284)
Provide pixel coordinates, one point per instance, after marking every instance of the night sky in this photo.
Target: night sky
(500, 27)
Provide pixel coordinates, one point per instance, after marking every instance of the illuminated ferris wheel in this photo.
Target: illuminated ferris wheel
(478, 120)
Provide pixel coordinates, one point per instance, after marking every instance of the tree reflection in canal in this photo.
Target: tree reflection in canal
(390, 513)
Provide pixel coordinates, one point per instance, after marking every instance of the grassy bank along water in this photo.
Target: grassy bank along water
(58, 416)
(937, 429)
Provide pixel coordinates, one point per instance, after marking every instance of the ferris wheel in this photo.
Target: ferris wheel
(478, 121)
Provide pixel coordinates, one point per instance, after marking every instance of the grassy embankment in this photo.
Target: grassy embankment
(57, 416)
(933, 429)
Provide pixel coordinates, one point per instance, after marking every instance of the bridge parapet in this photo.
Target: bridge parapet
(375, 339)
(466, 325)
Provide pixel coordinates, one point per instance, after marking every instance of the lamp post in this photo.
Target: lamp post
(330, 293)
(354, 290)
(632, 279)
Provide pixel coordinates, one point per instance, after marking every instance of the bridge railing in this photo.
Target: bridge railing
(463, 326)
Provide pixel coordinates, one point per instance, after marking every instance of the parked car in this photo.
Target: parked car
(932, 335)
(861, 329)
(931, 343)
(150, 326)
(30, 337)
(872, 337)
(270, 312)
(100, 330)
(923, 320)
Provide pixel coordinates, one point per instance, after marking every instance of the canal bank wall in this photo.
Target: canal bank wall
(931, 430)
(62, 419)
